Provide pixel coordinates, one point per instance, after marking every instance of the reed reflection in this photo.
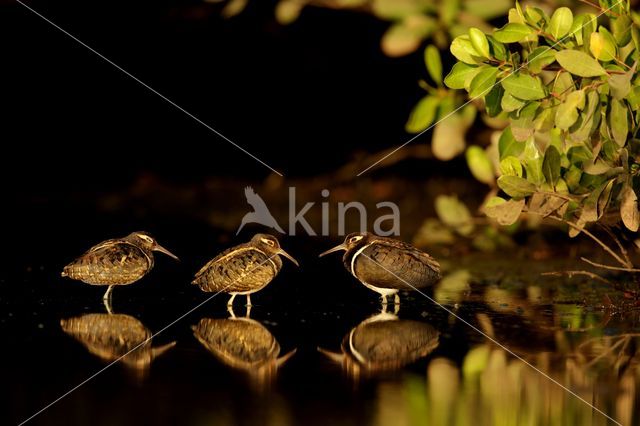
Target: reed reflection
(112, 336)
(384, 343)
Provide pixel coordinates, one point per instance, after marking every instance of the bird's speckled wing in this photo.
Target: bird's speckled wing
(113, 262)
(405, 263)
(238, 270)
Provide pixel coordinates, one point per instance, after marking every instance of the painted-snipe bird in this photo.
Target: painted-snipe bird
(387, 266)
(120, 261)
(243, 269)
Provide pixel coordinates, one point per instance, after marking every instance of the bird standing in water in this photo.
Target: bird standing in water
(121, 261)
(243, 269)
(387, 266)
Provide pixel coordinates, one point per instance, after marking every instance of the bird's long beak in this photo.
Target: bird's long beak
(288, 256)
(161, 249)
(336, 248)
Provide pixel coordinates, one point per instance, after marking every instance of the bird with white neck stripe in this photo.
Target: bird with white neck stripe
(387, 266)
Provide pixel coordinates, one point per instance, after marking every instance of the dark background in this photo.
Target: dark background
(302, 97)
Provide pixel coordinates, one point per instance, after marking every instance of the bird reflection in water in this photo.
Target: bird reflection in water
(384, 343)
(114, 336)
(244, 344)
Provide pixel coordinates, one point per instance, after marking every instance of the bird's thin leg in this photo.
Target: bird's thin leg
(248, 300)
(107, 294)
(107, 305)
(230, 310)
(383, 301)
(396, 305)
(230, 302)
(248, 314)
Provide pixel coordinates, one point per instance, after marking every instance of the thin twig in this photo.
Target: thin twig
(612, 268)
(594, 238)
(617, 241)
(570, 274)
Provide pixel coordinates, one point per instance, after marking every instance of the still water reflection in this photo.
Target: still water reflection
(244, 344)
(382, 343)
(421, 367)
(111, 336)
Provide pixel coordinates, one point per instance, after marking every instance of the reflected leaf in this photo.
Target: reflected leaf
(451, 288)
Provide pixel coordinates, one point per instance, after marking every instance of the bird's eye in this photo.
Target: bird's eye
(268, 242)
(145, 238)
(355, 239)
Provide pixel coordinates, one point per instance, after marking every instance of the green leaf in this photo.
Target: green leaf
(621, 26)
(423, 114)
(509, 103)
(480, 165)
(454, 214)
(483, 82)
(602, 45)
(479, 42)
(433, 63)
(551, 165)
(561, 22)
(448, 11)
(448, 138)
(405, 36)
(535, 16)
(461, 75)
(523, 124)
(505, 212)
(512, 33)
(620, 84)
(545, 204)
(493, 100)
(567, 112)
(511, 166)
(464, 51)
(629, 208)
(579, 63)
(498, 50)
(508, 146)
(515, 186)
(619, 122)
(533, 162)
(524, 86)
(540, 58)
